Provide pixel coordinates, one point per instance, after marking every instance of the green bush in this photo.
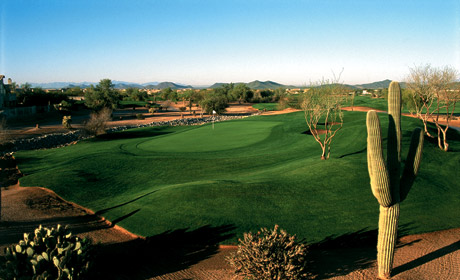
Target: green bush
(140, 116)
(47, 254)
(270, 254)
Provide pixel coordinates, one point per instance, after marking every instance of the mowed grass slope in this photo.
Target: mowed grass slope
(248, 173)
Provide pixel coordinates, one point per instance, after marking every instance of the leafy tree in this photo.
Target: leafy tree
(136, 95)
(190, 96)
(214, 100)
(322, 102)
(103, 95)
(27, 96)
(169, 94)
(225, 90)
(241, 92)
(74, 91)
(279, 93)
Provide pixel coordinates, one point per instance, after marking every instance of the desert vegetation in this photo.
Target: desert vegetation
(47, 253)
(387, 185)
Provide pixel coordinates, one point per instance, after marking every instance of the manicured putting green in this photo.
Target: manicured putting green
(217, 137)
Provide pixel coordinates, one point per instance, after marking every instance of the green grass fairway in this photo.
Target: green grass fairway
(266, 106)
(249, 173)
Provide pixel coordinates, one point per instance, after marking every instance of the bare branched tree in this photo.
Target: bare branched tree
(323, 102)
(419, 86)
(446, 95)
(434, 97)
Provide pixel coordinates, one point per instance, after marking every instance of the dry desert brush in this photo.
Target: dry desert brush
(270, 254)
(97, 122)
(387, 184)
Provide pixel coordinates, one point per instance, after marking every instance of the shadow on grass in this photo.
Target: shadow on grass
(100, 212)
(354, 153)
(157, 255)
(341, 255)
(130, 134)
(427, 258)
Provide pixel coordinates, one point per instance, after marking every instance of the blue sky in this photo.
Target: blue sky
(202, 42)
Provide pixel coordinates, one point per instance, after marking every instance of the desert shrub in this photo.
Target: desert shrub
(166, 105)
(152, 110)
(97, 122)
(47, 254)
(270, 254)
(66, 122)
(140, 116)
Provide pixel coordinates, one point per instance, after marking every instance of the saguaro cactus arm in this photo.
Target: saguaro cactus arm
(380, 182)
(414, 157)
(394, 139)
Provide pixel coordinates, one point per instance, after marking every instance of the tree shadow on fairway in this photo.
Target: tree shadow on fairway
(341, 255)
(157, 255)
(354, 153)
(130, 134)
(100, 212)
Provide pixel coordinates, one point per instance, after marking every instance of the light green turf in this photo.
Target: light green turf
(266, 106)
(220, 136)
(249, 173)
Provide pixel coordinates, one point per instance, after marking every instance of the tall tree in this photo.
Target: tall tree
(214, 101)
(241, 92)
(103, 95)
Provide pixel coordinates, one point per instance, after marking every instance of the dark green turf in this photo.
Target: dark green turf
(249, 173)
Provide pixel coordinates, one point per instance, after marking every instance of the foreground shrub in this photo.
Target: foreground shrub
(270, 254)
(97, 122)
(48, 254)
(66, 122)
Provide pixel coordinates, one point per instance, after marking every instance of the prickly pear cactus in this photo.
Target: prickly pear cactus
(387, 184)
(47, 254)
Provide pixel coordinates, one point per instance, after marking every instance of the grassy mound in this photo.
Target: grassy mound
(249, 173)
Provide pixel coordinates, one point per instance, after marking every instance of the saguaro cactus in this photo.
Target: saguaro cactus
(387, 184)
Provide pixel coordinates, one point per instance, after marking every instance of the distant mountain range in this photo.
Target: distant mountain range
(257, 85)
(167, 85)
(156, 85)
(377, 85)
